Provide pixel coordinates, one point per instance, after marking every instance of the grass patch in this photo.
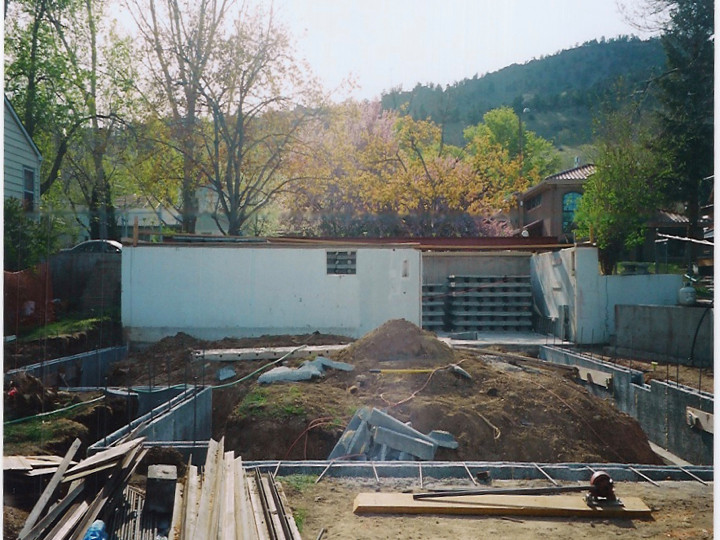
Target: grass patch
(282, 402)
(65, 327)
(299, 482)
(42, 431)
(300, 515)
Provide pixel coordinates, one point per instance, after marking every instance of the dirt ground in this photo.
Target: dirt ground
(680, 510)
(510, 410)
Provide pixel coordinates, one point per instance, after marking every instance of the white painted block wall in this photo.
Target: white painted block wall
(572, 277)
(237, 291)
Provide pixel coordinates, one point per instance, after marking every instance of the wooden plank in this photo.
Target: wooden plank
(191, 506)
(55, 511)
(244, 525)
(216, 494)
(16, 463)
(699, 419)
(111, 455)
(226, 529)
(509, 505)
(272, 508)
(257, 514)
(210, 474)
(291, 521)
(49, 490)
(177, 513)
(117, 480)
(82, 474)
(63, 529)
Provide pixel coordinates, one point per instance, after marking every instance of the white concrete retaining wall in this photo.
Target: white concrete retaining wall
(211, 292)
(572, 278)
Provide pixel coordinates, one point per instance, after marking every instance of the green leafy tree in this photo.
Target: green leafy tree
(27, 242)
(508, 158)
(624, 192)
(686, 95)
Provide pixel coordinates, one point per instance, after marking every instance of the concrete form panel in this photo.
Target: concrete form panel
(659, 407)
(437, 266)
(214, 292)
(667, 332)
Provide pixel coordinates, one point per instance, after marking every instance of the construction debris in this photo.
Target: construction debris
(376, 436)
(225, 503)
(310, 369)
(94, 488)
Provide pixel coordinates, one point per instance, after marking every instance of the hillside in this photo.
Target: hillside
(562, 91)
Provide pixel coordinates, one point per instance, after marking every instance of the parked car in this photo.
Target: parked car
(96, 246)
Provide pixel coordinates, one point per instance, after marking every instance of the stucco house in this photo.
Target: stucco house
(548, 208)
(22, 161)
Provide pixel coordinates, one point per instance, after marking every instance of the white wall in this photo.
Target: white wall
(219, 291)
(572, 277)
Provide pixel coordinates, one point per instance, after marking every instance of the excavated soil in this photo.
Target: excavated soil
(512, 409)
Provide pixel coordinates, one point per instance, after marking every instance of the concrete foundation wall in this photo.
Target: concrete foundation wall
(85, 369)
(438, 266)
(659, 407)
(186, 417)
(666, 332)
(572, 278)
(214, 292)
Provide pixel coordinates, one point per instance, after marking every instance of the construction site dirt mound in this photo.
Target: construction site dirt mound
(395, 340)
(510, 408)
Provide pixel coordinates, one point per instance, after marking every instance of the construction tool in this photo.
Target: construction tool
(600, 493)
(454, 368)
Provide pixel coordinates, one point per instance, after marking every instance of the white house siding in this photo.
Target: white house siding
(19, 154)
(219, 291)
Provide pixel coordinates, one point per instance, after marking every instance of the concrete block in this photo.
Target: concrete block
(348, 439)
(225, 374)
(161, 480)
(379, 418)
(323, 363)
(412, 445)
(444, 439)
(286, 374)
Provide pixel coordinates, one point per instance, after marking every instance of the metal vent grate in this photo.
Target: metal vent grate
(341, 262)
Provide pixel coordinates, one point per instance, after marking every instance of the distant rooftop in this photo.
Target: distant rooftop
(575, 174)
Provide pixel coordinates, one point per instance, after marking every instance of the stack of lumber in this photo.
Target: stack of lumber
(226, 503)
(31, 466)
(78, 494)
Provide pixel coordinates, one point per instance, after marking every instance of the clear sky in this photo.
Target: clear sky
(381, 44)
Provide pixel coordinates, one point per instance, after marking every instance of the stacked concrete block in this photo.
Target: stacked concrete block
(376, 436)
(434, 308)
(489, 303)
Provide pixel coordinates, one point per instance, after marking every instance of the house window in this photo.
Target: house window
(341, 262)
(534, 202)
(29, 190)
(570, 203)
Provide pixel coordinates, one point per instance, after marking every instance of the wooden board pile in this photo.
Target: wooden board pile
(79, 493)
(226, 503)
